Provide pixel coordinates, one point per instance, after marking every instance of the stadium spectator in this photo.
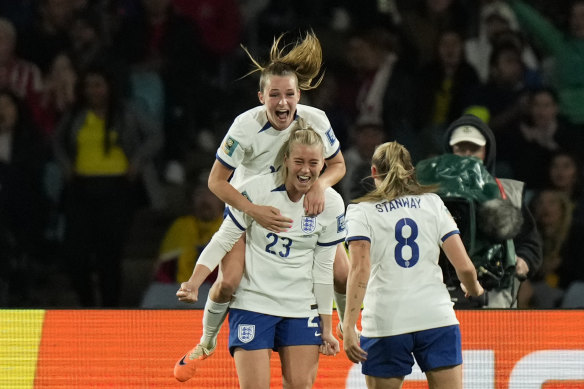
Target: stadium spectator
(443, 88)
(564, 172)
(380, 89)
(505, 94)
(59, 90)
(364, 139)
(423, 22)
(105, 149)
(157, 39)
(540, 132)
(565, 47)
(496, 20)
(23, 154)
(181, 247)
(22, 77)
(47, 36)
(552, 211)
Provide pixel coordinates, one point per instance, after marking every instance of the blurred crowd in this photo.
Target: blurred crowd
(167, 77)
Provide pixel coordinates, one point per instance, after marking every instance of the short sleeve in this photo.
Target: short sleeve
(320, 122)
(446, 224)
(357, 227)
(232, 149)
(251, 190)
(335, 217)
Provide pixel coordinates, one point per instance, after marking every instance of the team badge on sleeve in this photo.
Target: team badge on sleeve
(341, 223)
(229, 146)
(246, 332)
(308, 224)
(330, 135)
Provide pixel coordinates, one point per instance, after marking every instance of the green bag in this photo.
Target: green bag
(465, 184)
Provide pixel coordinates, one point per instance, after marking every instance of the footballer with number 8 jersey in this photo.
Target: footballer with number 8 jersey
(395, 233)
(284, 300)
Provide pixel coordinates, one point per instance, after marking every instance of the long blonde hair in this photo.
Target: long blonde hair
(396, 171)
(300, 134)
(302, 60)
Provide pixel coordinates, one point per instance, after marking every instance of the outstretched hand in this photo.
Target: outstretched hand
(187, 293)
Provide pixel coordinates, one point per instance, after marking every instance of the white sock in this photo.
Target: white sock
(213, 318)
(340, 302)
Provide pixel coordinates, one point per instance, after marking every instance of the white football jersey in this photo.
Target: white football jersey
(251, 144)
(405, 292)
(280, 268)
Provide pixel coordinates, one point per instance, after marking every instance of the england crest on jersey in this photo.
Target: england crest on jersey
(308, 224)
(246, 332)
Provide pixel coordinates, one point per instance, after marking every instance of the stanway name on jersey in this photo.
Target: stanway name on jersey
(403, 202)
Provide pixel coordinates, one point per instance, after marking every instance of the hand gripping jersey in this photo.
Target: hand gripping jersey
(251, 144)
(280, 269)
(405, 292)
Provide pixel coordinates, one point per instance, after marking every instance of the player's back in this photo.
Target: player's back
(405, 235)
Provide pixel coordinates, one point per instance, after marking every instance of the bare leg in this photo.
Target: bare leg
(231, 271)
(253, 368)
(299, 366)
(445, 378)
(384, 383)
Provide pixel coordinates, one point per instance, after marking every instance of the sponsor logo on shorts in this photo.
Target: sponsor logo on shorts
(246, 332)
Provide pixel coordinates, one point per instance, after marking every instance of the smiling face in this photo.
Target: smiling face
(280, 97)
(303, 166)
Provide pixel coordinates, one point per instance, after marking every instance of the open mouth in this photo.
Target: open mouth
(282, 114)
(303, 179)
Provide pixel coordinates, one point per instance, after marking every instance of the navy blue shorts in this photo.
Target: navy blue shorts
(393, 356)
(257, 331)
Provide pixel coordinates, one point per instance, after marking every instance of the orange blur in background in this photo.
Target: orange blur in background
(138, 349)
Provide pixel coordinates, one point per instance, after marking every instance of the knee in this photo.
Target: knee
(305, 382)
(227, 286)
(340, 285)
